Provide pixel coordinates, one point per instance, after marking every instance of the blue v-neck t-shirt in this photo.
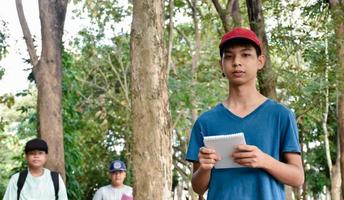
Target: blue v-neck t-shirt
(271, 127)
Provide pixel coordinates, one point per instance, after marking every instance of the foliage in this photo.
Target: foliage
(105, 14)
(302, 50)
(3, 36)
(96, 111)
(5, 99)
(96, 89)
(11, 138)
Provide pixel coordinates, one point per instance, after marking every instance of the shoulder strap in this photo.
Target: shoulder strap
(20, 182)
(55, 178)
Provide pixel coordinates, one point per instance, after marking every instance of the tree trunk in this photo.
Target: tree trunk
(337, 7)
(195, 58)
(324, 126)
(235, 13)
(336, 180)
(232, 11)
(266, 77)
(152, 150)
(48, 76)
(334, 170)
(194, 69)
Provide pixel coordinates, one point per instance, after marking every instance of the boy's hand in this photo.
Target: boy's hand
(250, 156)
(207, 158)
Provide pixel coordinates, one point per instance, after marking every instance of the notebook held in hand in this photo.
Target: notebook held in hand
(225, 145)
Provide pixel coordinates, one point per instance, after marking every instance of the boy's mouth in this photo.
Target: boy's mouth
(238, 72)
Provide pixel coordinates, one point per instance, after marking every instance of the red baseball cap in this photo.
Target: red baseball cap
(238, 33)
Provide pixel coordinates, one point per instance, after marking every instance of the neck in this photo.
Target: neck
(36, 171)
(117, 186)
(244, 95)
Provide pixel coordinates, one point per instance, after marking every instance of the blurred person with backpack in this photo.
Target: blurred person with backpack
(36, 182)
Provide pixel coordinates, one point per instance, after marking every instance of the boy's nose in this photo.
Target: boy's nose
(236, 61)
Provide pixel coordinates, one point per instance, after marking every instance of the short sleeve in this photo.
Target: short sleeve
(98, 195)
(11, 191)
(290, 135)
(195, 142)
(62, 190)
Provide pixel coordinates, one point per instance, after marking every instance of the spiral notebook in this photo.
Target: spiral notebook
(225, 145)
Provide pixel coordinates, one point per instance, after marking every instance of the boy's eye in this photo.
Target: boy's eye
(36, 152)
(246, 54)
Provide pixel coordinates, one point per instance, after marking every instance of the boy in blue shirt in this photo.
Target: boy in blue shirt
(271, 157)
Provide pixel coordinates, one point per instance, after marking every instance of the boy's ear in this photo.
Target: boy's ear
(261, 61)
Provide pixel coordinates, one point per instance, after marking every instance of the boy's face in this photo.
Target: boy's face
(241, 63)
(117, 178)
(36, 158)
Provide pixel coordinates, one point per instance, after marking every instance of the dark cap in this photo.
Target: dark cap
(240, 33)
(36, 144)
(117, 165)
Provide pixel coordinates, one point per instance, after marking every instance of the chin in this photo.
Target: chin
(237, 83)
(37, 164)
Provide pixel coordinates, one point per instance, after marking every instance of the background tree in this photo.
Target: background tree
(337, 7)
(266, 77)
(230, 14)
(152, 155)
(47, 72)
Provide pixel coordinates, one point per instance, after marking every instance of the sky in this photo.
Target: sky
(16, 73)
(15, 78)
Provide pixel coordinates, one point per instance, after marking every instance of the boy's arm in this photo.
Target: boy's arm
(97, 195)
(11, 190)
(200, 179)
(62, 190)
(202, 170)
(289, 172)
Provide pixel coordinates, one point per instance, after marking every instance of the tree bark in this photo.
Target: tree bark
(337, 8)
(336, 180)
(334, 170)
(266, 77)
(48, 76)
(152, 150)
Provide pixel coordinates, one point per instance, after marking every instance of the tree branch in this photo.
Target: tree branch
(223, 13)
(180, 170)
(183, 36)
(218, 7)
(170, 38)
(27, 34)
(123, 85)
(177, 119)
(230, 4)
